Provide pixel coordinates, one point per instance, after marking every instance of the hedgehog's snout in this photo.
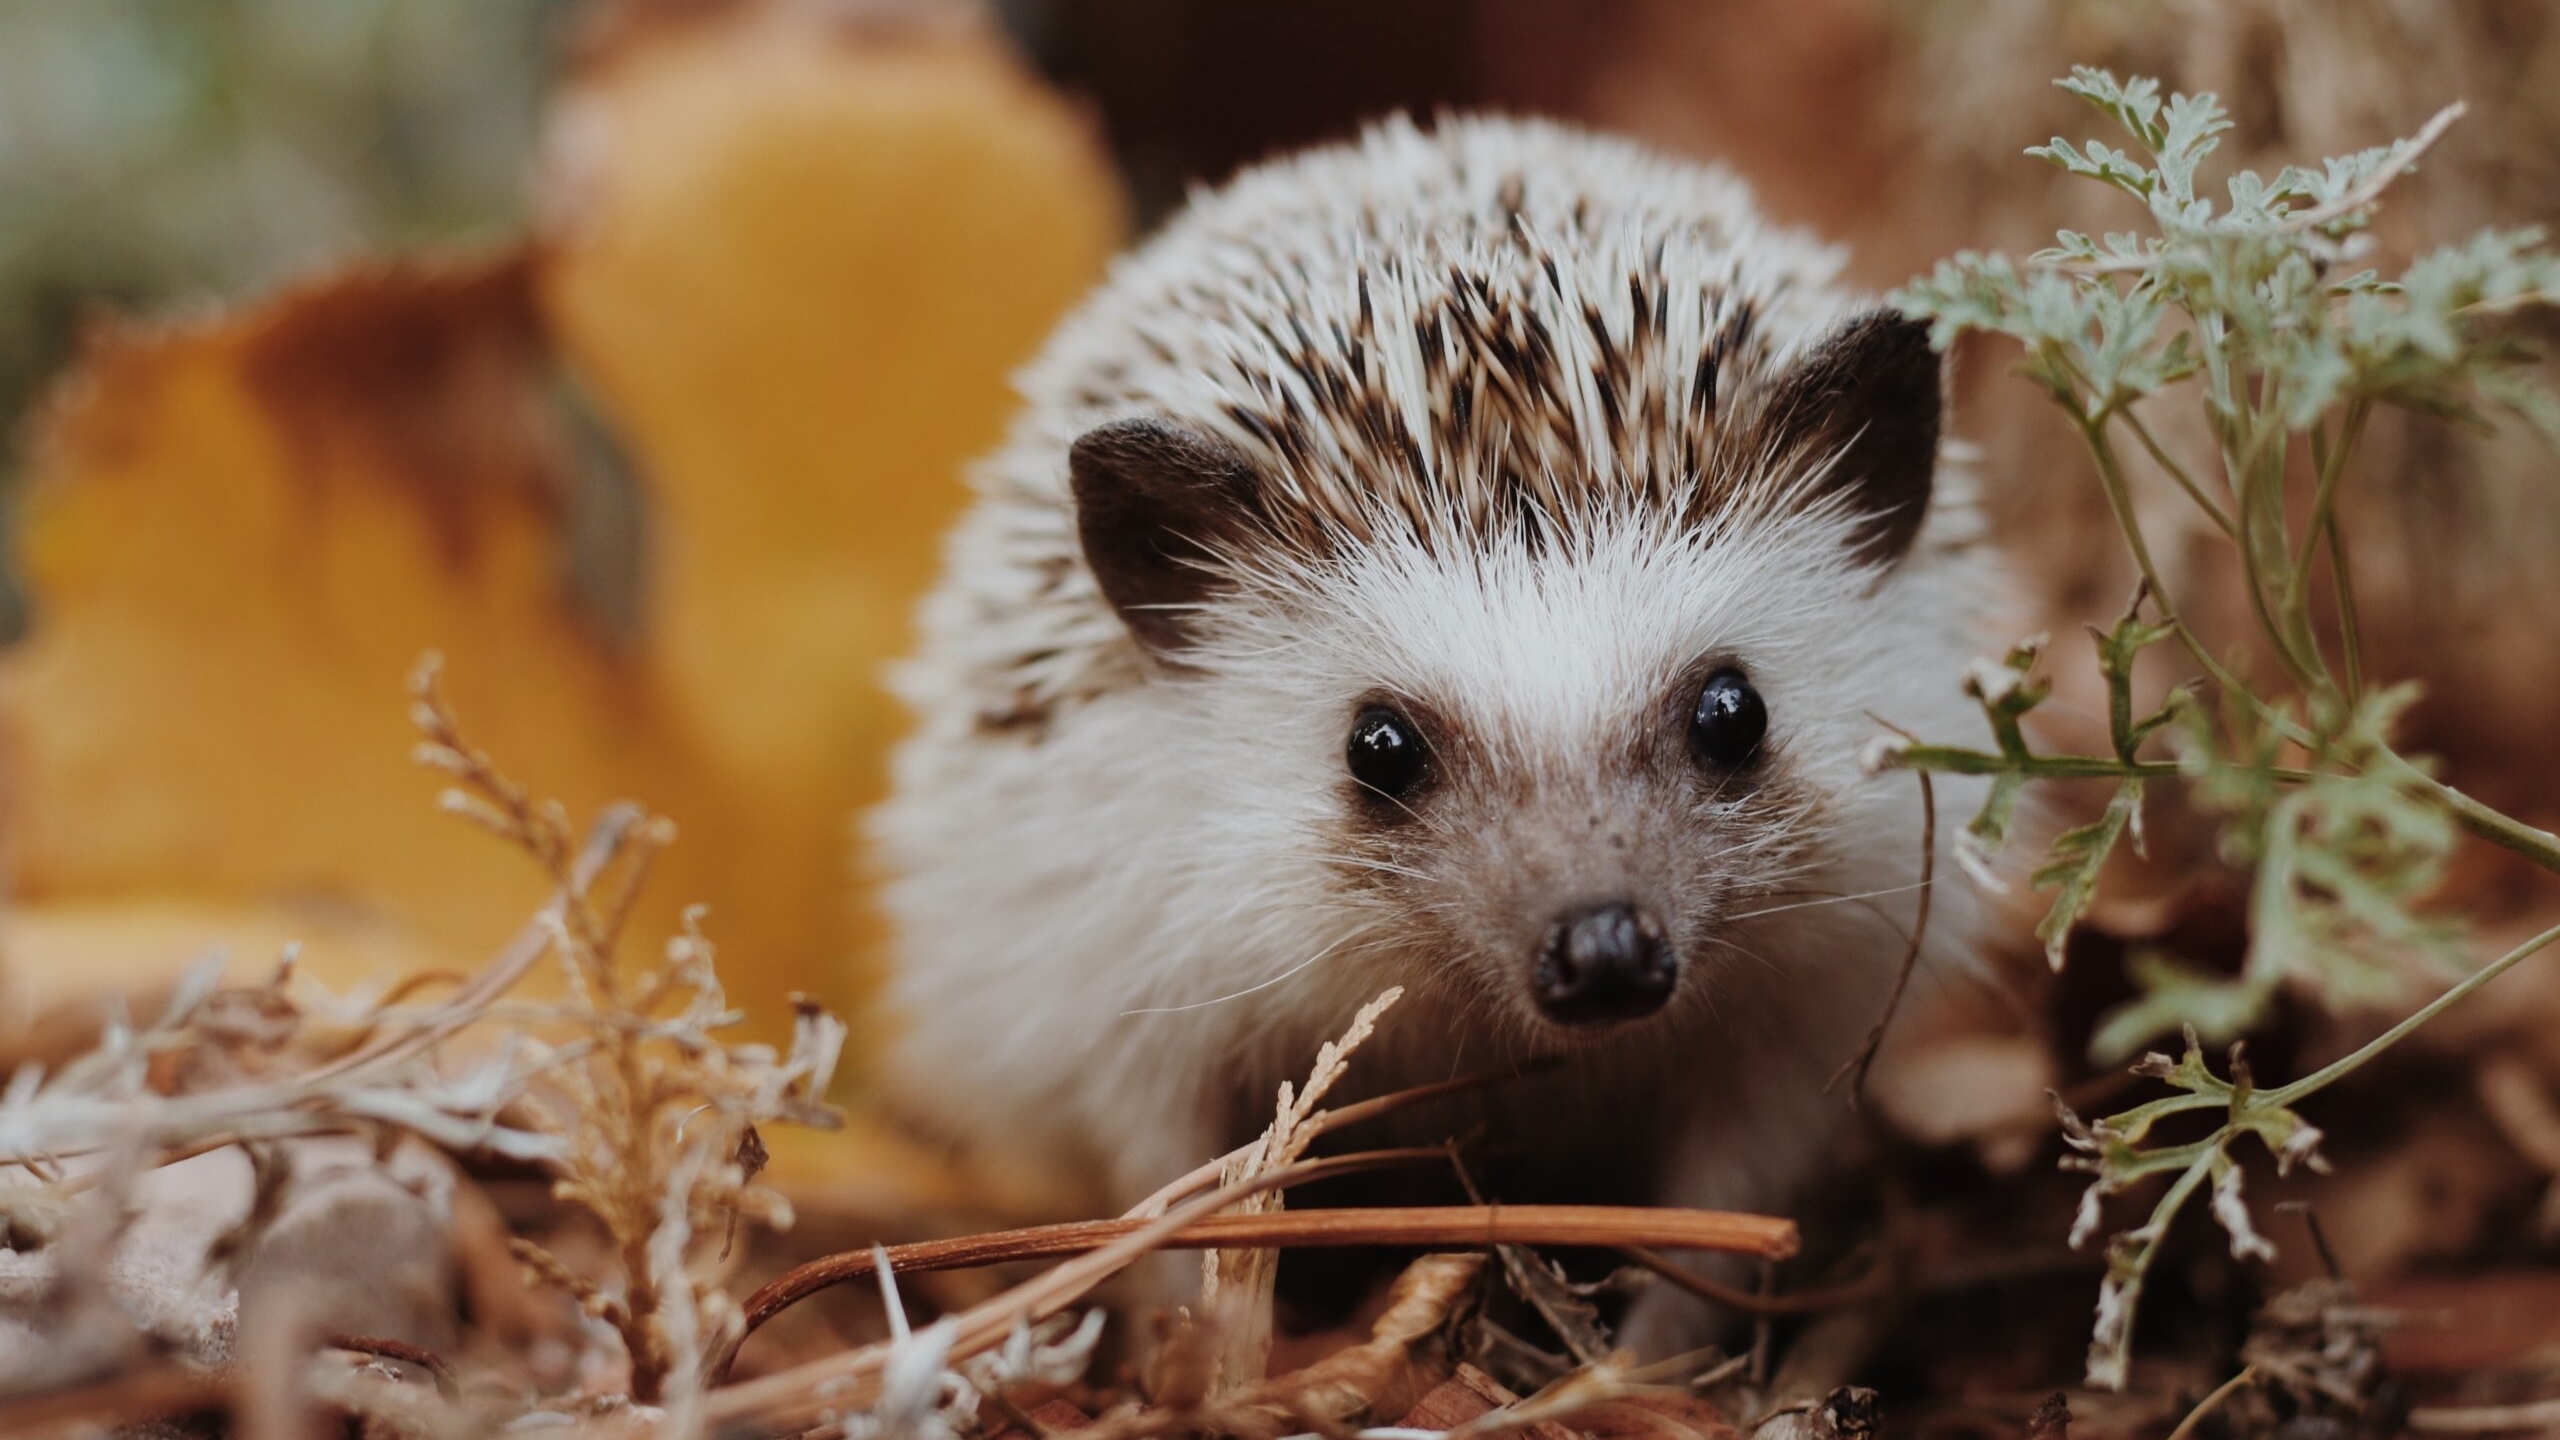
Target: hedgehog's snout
(1604, 962)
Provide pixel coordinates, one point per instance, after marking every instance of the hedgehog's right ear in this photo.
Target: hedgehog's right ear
(1865, 403)
(1156, 502)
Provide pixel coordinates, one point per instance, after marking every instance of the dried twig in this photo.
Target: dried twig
(1472, 1226)
(1533, 1278)
(997, 1247)
(1236, 1285)
(838, 1382)
(2210, 1403)
(158, 1389)
(1878, 1280)
(1325, 1122)
(655, 1119)
(1411, 1347)
(2540, 1415)
(1855, 1071)
(401, 1350)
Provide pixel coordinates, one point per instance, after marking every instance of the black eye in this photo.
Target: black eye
(1385, 753)
(1730, 720)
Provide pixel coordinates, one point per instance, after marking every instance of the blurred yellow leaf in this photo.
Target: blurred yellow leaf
(239, 534)
(802, 309)
(792, 259)
(797, 255)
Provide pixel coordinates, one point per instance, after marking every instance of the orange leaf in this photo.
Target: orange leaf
(798, 255)
(793, 259)
(239, 535)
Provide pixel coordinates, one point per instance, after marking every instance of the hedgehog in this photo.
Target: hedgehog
(1469, 558)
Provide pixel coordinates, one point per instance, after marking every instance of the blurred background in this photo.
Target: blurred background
(155, 155)
(630, 354)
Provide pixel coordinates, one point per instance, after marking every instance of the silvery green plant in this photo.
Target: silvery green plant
(2251, 305)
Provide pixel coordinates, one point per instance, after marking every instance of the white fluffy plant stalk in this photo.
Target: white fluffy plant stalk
(656, 1119)
(1236, 1285)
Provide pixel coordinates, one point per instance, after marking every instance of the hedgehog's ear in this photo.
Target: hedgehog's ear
(1867, 399)
(1156, 503)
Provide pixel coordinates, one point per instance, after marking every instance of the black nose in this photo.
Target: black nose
(1604, 962)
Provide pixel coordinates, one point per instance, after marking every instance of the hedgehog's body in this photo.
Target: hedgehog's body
(1387, 582)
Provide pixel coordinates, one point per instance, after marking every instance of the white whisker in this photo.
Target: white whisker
(1240, 994)
(1831, 900)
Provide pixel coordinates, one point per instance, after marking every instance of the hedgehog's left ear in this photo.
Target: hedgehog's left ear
(1867, 399)
(1156, 504)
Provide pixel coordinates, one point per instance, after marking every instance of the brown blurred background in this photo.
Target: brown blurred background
(153, 153)
(155, 157)
(628, 352)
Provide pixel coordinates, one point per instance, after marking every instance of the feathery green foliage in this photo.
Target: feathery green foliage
(2251, 307)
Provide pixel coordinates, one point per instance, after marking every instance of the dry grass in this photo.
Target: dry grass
(649, 1125)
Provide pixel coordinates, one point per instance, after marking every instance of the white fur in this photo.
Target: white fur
(1110, 881)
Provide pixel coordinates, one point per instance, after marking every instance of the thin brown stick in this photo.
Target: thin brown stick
(1468, 1226)
(852, 1378)
(161, 1390)
(383, 1348)
(798, 1284)
(1878, 1280)
(2228, 1388)
(1324, 1122)
(1189, 1186)
(1855, 1072)
(1327, 1121)
(2541, 1415)
(614, 830)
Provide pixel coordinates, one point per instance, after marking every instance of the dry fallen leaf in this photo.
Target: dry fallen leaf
(239, 533)
(806, 337)
(796, 250)
(791, 253)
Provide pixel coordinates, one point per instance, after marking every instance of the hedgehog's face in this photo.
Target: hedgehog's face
(1579, 881)
(1560, 779)
(1554, 773)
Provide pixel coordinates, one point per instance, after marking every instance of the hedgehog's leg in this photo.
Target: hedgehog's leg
(1666, 1320)
(1749, 1152)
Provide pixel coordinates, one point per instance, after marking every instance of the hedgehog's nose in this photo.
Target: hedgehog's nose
(1604, 962)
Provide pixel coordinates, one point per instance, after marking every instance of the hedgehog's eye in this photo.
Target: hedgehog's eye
(1385, 753)
(1729, 722)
